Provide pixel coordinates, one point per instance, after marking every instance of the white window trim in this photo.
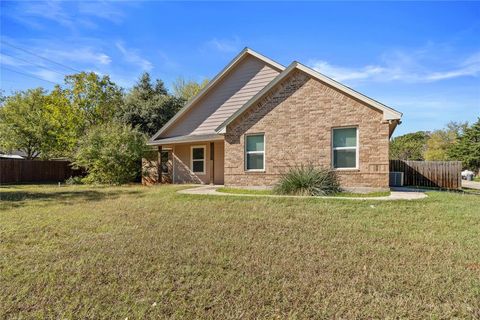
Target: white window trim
(245, 152)
(357, 153)
(204, 158)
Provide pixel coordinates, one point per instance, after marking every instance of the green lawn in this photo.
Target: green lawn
(112, 253)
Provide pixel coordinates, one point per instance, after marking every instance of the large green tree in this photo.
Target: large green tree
(410, 146)
(97, 98)
(467, 147)
(111, 154)
(148, 106)
(38, 123)
(440, 141)
(187, 89)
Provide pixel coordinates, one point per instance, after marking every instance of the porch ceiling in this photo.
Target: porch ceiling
(186, 139)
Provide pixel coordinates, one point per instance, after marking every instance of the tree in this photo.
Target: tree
(410, 146)
(187, 89)
(111, 154)
(96, 98)
(467, 147)
(440, 141)
(39, 124)
(148, 106)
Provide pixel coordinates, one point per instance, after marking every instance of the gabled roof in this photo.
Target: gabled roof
(388, 113)
(245, 52)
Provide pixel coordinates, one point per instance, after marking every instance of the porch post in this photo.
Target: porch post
(159, 164)
(212, 157)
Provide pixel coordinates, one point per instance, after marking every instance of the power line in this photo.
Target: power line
(37, 55)
(27, 74)
(31, 63)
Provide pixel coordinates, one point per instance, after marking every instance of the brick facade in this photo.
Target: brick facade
(297, 118)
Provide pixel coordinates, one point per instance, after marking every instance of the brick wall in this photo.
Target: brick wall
(297, 118)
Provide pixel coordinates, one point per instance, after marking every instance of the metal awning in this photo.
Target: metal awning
(186, 139)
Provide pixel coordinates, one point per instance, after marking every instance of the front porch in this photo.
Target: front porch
(186, 159)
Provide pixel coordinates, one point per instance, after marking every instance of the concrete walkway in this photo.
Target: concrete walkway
(402, 194)
(471, 184)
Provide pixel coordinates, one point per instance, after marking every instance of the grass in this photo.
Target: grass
(270, 192)
(84, 252)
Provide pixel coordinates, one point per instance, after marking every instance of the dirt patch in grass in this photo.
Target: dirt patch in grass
(270, 192)
(363, 195)
(245, 191)
(141, 252)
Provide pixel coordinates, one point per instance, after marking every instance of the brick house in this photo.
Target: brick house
(256, 119)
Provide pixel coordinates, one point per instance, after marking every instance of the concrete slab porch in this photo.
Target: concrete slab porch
(394, 195)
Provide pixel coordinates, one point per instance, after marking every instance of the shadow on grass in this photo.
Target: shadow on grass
(18, 198)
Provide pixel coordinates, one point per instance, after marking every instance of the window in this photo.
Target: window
(255, 152)
(164, 158)
(198, 159)
(345, 148)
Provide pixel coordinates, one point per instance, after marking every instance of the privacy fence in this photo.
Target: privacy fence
(437, 174)
(23, 171)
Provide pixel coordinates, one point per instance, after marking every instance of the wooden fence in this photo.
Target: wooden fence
(438, 174)
(22, 171)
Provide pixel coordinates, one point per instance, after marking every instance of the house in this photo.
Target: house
(257, 118)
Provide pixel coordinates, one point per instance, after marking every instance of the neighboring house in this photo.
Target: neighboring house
(16, 154)
(256, 119)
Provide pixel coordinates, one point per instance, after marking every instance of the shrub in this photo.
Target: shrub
(111, 154)
(308, 181)
(74, 180)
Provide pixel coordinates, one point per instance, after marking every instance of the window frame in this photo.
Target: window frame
(246, 152)
(357, 148)
(204, 158)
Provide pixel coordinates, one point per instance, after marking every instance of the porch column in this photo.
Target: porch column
(159, 164)
(212, 166)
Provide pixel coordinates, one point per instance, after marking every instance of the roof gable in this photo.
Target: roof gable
(219, 78)
(388, 113)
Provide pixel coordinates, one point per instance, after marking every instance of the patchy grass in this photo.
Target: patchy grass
(85, 252)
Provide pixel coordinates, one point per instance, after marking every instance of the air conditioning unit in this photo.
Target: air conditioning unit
(396, 179)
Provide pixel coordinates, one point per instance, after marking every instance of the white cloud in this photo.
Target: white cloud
(48, 75)
(10, 61)
(400, 66)
(51, 10)
(131, 56)
(68, 14)
(84, 55)
(343, 73)
(225, 45)
(101, 9)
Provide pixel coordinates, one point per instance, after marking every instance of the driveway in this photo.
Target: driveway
(471, 184)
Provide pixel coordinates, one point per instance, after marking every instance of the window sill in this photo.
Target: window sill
(254, 171)
(346, 169)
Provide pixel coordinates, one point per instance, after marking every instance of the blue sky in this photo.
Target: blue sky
(421, 58)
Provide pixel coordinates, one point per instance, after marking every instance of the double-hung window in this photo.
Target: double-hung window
(198, 159)
(345, 148)
(255, 152)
